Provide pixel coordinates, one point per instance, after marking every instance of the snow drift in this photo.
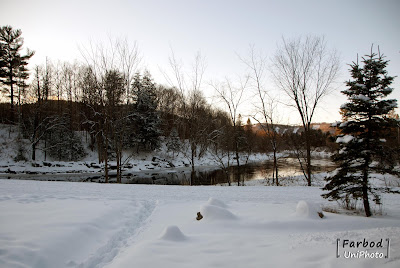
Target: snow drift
(307, 209)
(211, 212)
(173, 233)
(216, 202)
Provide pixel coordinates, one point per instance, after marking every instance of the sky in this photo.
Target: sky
(219, 29)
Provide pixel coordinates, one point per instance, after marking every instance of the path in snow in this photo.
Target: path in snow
(135, 217)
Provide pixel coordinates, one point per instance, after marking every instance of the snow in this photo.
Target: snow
(360, 97)
(216, 202)
(335, 124)
(211, 212)
(344, 139)
(360, 85)
(67, 224)
(173, 233)
(388, 90)
(306, 209)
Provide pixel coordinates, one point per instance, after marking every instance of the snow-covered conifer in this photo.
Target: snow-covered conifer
(145, 117)
(365, 122)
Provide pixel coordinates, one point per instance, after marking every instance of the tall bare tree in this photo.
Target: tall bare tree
(304, 68)
(267, 104)
(232, 97)
(192, 104)
(129, 59)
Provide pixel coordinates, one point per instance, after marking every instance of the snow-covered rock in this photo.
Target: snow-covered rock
(211, 212)
(307, 209)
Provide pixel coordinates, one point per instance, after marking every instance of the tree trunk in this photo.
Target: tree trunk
(365, 200)
(308, 148)
(119, 166)
(34, 151)
(237, 157)
(106, 168)
(192, 174)
(367, 158)
(238, 168)
(367, 208)
(106, 156)
(35, 129)
(12, 97)
(276, 168)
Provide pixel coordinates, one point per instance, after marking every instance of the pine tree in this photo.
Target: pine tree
(12, 63)
(145, 116)
(63, 144)
(365, 120)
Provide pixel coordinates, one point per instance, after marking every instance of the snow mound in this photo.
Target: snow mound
(173, 233)
(211, 212)
(216, 202)
(306, 209)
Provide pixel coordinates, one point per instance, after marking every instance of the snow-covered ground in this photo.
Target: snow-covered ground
(66, 224)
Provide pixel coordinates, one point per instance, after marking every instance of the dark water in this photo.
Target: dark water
(202, 176)
(287, 167)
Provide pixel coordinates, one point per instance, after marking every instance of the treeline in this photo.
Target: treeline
(66, 98)
(120, 108)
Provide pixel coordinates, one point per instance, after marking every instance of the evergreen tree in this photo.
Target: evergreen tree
(12, 63)
(362, 148)
(145, 117)
(63, 144)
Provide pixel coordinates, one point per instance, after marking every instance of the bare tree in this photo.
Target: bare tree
(304, 68)
(40, 122)
(266, 106)
(192, 104)
(220, 142)
(129, 60)
(232, 97)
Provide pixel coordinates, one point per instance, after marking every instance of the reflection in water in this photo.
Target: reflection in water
(288, 167)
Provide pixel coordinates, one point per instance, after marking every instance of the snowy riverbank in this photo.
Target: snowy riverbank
(157, 161)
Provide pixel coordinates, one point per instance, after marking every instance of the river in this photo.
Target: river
(205, 175)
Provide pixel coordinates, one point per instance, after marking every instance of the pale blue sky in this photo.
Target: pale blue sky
(219, 29)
